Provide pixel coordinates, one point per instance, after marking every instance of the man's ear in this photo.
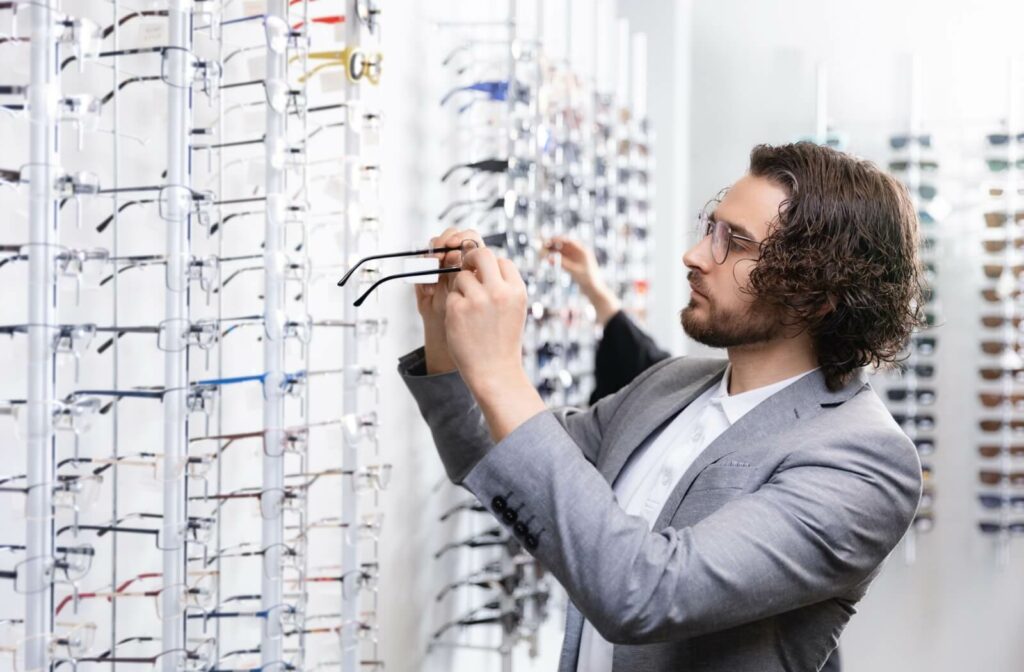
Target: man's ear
(829, 306)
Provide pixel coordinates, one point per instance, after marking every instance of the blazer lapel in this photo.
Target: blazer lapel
(650, 417)
(765, 422)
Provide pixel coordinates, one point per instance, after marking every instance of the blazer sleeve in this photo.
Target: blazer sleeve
(818, 528)
(623, 353)
(461, 433)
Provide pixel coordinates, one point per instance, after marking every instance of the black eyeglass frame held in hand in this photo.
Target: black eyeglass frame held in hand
(494, 239)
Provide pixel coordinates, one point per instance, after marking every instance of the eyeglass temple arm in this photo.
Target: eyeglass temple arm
(120, 52)
(102, 530)
(235, 275)
(106, 345)
(469, 505)
(121, 270)
(495, 239)
(106, 222)
(128, 17)
(485, 165)
(304, 77)
(484, 87)
(392, 255)
(486, 583)
(107, 97)
(358, 302)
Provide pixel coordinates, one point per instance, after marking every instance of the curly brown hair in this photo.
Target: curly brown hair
(842, 258)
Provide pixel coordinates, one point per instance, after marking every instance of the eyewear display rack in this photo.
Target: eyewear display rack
(911, 395)
(211, 544)
(549, 110)
(1000, 474)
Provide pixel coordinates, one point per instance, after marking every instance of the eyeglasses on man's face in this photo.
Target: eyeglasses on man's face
(723, 238)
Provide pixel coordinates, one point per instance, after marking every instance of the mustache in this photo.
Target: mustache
(698, 284)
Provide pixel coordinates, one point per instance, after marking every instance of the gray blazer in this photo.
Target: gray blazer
(761, 551)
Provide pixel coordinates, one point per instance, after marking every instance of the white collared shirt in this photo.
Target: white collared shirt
(652, 471)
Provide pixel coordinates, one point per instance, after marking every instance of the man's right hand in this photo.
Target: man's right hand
(431, 299)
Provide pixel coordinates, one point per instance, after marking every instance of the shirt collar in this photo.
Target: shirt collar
(735, 406)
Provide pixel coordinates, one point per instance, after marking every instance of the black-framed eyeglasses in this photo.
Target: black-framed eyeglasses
(723, 238)
(465, 247)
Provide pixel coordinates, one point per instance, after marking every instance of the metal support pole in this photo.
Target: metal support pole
(178, 206)
(42, 301)
(350, 358)
(271, 644)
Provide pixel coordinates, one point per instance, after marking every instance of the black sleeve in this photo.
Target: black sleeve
(623, 353)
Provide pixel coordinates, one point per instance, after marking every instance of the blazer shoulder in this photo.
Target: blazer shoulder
(862, 434)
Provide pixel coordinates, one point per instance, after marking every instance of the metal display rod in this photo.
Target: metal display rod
(42, 301)
(350, 357)
(179, 123)
(272, 640)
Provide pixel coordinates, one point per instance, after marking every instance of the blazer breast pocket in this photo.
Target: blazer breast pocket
(722, 476)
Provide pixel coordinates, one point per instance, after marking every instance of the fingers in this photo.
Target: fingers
(436, 241)
(483, 269)
(446, 258)
(466, 284)
(456, 238)
(510, 273)
(555, 243)
(482, 261)
(564, 245)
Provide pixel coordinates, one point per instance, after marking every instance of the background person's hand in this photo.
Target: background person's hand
(577, 260)
(581, 264)
(431, 299)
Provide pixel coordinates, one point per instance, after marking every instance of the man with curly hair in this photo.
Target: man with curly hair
(714, 515)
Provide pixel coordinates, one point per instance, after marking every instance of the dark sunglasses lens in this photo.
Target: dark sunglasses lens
(925, 345)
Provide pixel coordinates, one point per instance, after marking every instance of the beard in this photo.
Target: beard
(718, 328)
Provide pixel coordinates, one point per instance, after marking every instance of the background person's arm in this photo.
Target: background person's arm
(581, 264)
(624, 351)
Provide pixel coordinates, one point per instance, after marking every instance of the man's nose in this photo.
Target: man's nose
(699, 256)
